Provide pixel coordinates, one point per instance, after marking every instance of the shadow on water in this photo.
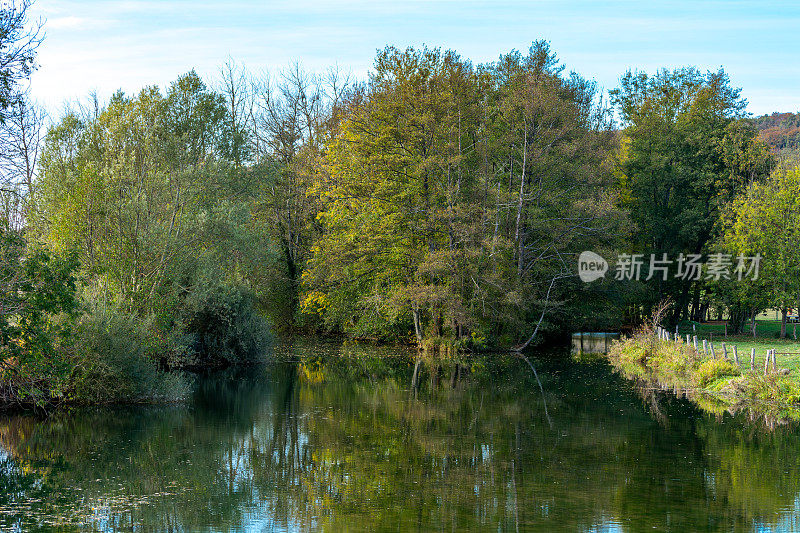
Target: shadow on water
(335, 439)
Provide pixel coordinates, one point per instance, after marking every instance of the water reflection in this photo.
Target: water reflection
(592, 343)
(336, 441)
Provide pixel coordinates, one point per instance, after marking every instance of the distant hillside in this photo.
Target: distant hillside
(779, 130)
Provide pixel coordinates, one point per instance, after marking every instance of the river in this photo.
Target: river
(333, 439)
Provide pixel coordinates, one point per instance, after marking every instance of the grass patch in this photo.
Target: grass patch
(714, 370)
(787, 350)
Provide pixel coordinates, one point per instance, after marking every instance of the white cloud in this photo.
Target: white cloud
(58, 23)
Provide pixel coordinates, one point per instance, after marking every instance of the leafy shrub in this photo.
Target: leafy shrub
(112, 363)
(645, 356)
(768, 387)
(713, 369)
(220, 327)
(37, 298)
(635, 350)
(677, 365)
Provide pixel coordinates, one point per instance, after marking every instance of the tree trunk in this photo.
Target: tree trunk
(541, 317)
(696, 305)
(784, 312)
(682, 307)
(454, 376)
(435, 377)
(417, 326)
(517, 237)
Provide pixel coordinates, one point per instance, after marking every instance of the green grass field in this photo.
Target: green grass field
(787, 350)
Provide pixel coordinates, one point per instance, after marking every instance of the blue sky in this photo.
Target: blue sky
(102, 46)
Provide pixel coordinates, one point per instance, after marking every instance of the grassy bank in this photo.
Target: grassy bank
(714, 383)
(787, 350)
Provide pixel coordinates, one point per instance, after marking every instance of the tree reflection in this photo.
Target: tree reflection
(338, 441)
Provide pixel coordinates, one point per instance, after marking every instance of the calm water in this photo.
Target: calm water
(337, 442)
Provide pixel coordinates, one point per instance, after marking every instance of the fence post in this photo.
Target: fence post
(724, 351)
(736, 356)
(773, 359)
(766, 362)
(752, 358)
(695, 344)
(711, 349)
(705, 348)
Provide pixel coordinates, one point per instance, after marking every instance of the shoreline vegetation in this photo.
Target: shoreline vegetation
(713, 380)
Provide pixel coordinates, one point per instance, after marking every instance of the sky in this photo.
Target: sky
(103, 46)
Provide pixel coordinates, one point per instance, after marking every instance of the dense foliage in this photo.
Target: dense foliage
(686, 151)
(37, 301)
(763, 219)
(779, 130)
(439, 202)
(454, 198)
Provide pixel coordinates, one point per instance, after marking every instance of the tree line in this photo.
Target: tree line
(437, 202)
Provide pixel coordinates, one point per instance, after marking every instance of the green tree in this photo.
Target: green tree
(688, 151)
(765, 220)
(159, 207)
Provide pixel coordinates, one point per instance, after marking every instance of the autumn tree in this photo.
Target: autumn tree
(455, 199)
(390, 192)
(551, 140)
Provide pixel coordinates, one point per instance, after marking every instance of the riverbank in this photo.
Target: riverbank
(715, 382)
